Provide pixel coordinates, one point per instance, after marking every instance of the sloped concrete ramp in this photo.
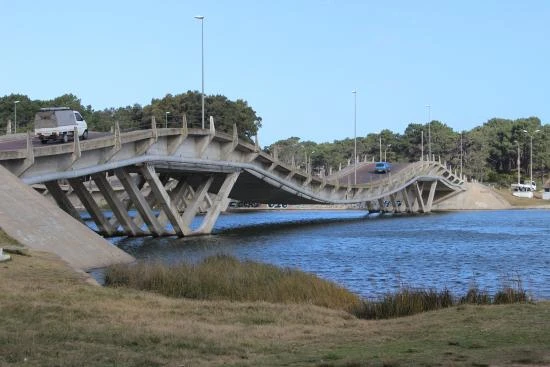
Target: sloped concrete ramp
(476, 197)
(39, 224)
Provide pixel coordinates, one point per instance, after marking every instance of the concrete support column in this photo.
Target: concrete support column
(217, 205)
(431, 196)
(406, 200)
(394, 203)
(162, 197)
(418, 194)
(103, 225)
(117, 207)
(127, 204)
(140, 203)
(381, 205)
(193, 205)
(61, 199)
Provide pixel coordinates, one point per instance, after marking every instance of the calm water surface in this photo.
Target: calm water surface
(372, 256)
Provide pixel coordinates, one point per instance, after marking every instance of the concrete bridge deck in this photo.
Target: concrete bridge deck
(171, 174)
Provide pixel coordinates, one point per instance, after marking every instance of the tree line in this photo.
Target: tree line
(488, 152)
(167, 111)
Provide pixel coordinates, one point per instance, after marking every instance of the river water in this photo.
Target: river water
(373, 255)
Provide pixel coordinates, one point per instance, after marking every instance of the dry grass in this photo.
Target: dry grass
(224, 277)
(50, 316)
(515, 201)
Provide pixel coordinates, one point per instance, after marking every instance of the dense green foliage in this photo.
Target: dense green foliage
(167, 111)
(489, 152)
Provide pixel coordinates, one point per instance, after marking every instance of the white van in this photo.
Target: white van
(58, 123)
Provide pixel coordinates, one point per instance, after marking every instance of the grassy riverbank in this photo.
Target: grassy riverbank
(535, 203)
(50, 315)
(224, 277)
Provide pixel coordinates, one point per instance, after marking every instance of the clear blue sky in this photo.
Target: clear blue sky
(296, 62)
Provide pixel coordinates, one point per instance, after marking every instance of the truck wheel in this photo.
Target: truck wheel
(43, 141)
(85, 135)
(65, 138)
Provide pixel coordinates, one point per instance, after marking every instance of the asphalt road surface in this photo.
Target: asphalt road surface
(366, 174)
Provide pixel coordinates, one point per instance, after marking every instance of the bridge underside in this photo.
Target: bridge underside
(247, 187)
(177, 182)
(163, 201)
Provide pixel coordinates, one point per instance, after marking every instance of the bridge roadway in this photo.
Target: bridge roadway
(170, 175)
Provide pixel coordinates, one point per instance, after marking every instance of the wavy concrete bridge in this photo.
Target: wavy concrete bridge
(169, 175)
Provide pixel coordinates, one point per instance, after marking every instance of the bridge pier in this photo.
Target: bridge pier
(158, 199)
(104, 227)
(61, 199)
(218, 204)
(119, 210)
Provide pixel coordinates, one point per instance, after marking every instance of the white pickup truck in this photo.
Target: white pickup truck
(524, 190)
(58, 123)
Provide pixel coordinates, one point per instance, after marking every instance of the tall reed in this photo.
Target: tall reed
(224, 277)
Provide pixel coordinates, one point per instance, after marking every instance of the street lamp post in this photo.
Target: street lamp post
(385, 151)
(15, 115)
(461, 154)
(429, 131)
(201, 18)
(166, 119)
(380, 145)
(354, 136)
(422, 145)
(531, 155)
(519, 162)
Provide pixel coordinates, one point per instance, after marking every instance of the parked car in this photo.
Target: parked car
(382, 167)
(58, 123)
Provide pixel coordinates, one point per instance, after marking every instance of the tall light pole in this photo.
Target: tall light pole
(380, 144)
(15, 115)
(354, 136)
(461, 154)
(519, 161)
(385, 151)
(166, 118)
(531, 155)
(422, 145)
(201, 18)
(429, 131)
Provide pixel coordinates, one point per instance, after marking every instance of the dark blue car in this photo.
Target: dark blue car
(382, 167)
